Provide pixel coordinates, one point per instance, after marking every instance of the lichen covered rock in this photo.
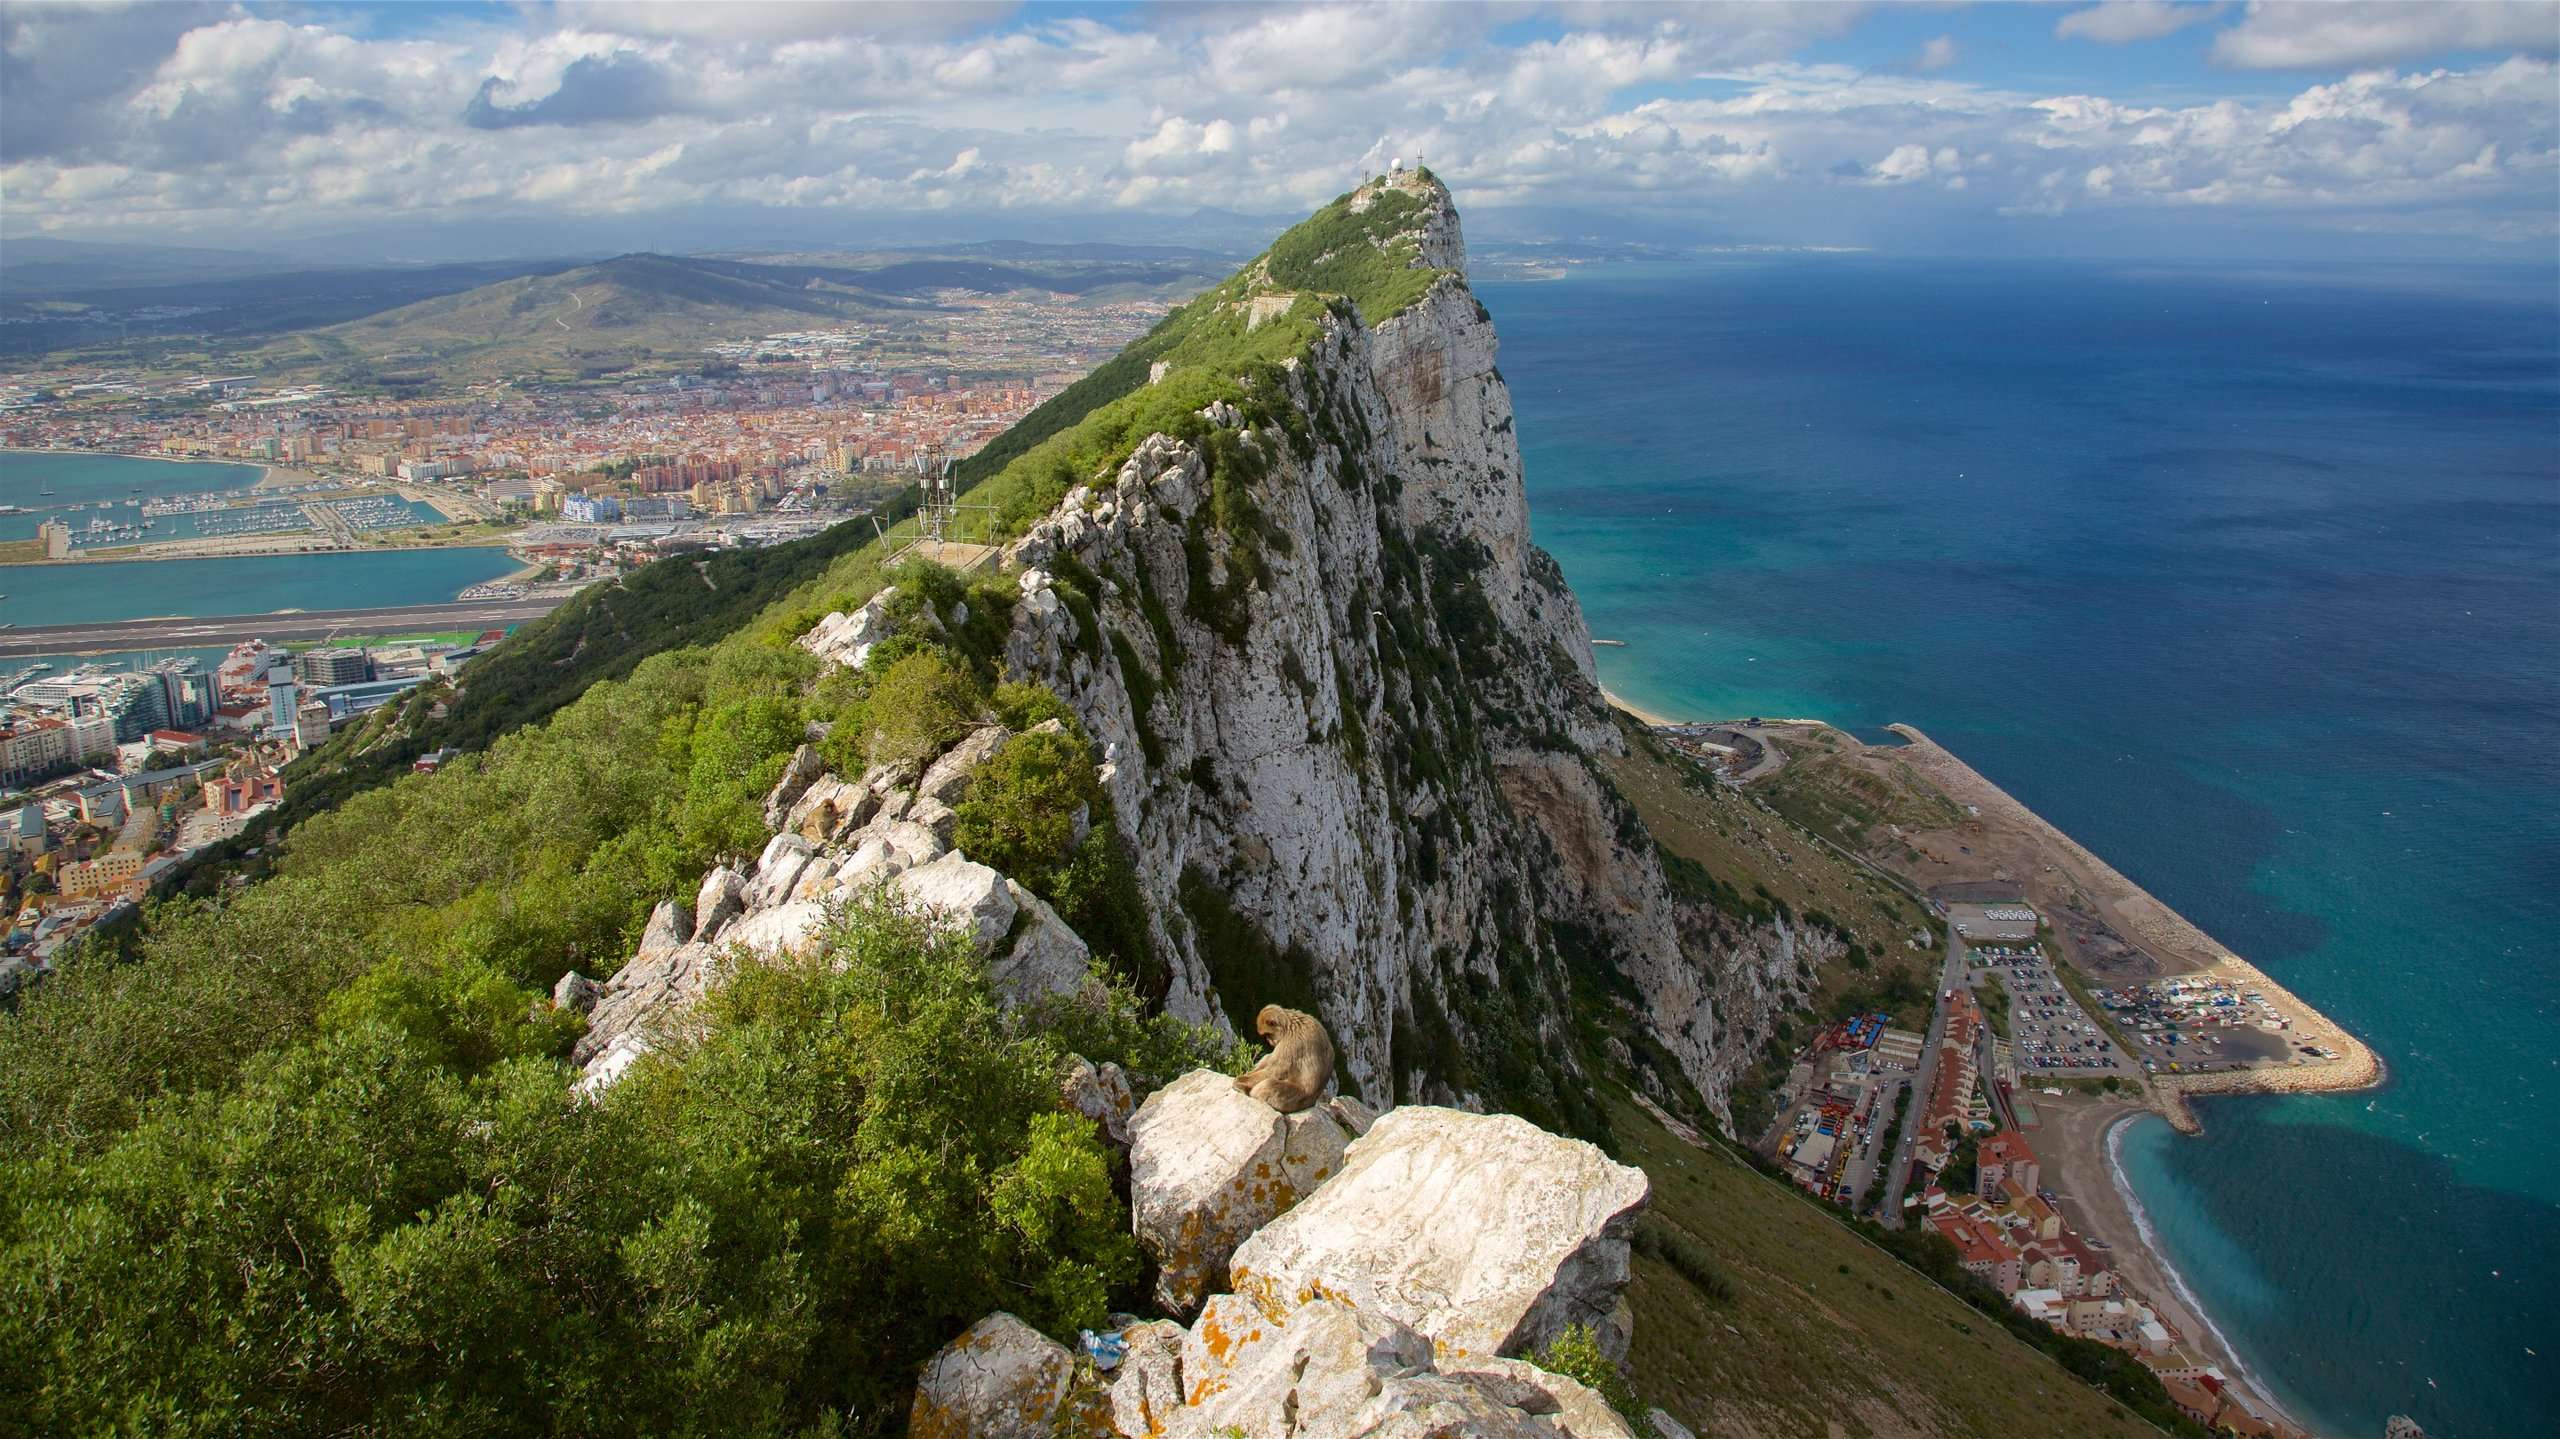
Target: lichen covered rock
(1002, 1379)
(1209, 1165)
(1484, 1232)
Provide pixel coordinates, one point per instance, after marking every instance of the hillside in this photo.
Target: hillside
(555, 318)
(687, 1058)
(590, 320)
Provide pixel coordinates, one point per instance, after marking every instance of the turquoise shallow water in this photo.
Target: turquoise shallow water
(246, 585)
(100, 485)
(86, 480)
(2251, 583)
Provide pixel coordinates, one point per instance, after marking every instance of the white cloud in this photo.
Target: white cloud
(2123, 22)
(241, 123)
(1906, 163)
(2317, 34)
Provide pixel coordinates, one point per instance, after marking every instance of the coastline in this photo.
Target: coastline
(2081, 1136)
(270, 476)
(2172, 938)
(1639, 711)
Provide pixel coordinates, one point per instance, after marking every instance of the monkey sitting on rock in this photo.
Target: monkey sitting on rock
(1293, 1075)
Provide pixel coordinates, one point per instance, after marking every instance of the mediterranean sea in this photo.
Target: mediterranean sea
(2250, 581)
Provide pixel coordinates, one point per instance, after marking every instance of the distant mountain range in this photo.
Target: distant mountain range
(554, 317)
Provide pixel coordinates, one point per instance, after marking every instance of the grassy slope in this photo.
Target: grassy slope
(1821, 1334)
(1762, 855)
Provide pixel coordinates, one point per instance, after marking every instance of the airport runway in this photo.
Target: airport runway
(207, 631)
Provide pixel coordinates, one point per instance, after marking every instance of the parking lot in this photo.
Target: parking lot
(2194, 1024)
(2048, 1031)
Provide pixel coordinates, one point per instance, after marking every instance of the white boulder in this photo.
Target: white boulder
(803, 767)
(1047, 960)
(957, 889)
(723, 894)
(1099, 1092)
(1208, 1166)
(785, 855)
(1484, 1232)
(1002, 1379)
(947, 778)
(783, 929)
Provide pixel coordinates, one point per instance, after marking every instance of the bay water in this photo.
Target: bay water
(2248, 580)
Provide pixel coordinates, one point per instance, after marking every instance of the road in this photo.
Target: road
(1890, 1215)
(205, 632)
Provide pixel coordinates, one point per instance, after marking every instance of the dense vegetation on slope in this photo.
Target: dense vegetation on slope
(306, 1160)
(603, 634)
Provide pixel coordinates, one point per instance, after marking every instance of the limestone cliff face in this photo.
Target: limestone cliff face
(1347, 709)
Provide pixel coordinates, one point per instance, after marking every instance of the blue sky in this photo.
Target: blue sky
(2265, 129)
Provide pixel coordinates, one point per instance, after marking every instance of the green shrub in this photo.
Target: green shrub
(770, 1230)
(1019, 814)
(1576, 1355)
(920, 703)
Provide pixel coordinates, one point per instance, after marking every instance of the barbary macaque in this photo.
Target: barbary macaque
(1293, 1075)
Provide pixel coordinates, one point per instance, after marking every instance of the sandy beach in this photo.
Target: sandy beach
(1639, 711)
(2072, 1141)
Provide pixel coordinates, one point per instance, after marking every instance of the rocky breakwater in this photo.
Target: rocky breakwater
(1399, 1295)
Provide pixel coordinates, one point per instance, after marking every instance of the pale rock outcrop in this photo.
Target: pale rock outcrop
(647, 986)
(1330, 1369)
(1577, 1407)
(1356, 1116)
(1002, 1379)
(784, 929)
(932, 814)
(827, 808)
(1146, 1392)
(723, 894)
(1484, 1232)
(1047, 959)
(1306, 752)
(803, 767)
(1666, 1427)
(576, 993)
(670, 925)
(965, 892)
(847, 639)
(1101, 1093)
(1208, 1166)
(785, 855)
(946, 780)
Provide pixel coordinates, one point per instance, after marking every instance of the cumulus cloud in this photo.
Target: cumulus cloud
(155, 117)
(2318, 34)
(2123, 22)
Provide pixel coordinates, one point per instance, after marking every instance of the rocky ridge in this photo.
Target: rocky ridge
(1394, 1297)
(1377, 750)
(1346, 713)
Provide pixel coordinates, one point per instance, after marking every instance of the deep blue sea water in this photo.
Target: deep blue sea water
(2250, 582)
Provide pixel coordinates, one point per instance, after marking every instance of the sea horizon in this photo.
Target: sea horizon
(2240, 579)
